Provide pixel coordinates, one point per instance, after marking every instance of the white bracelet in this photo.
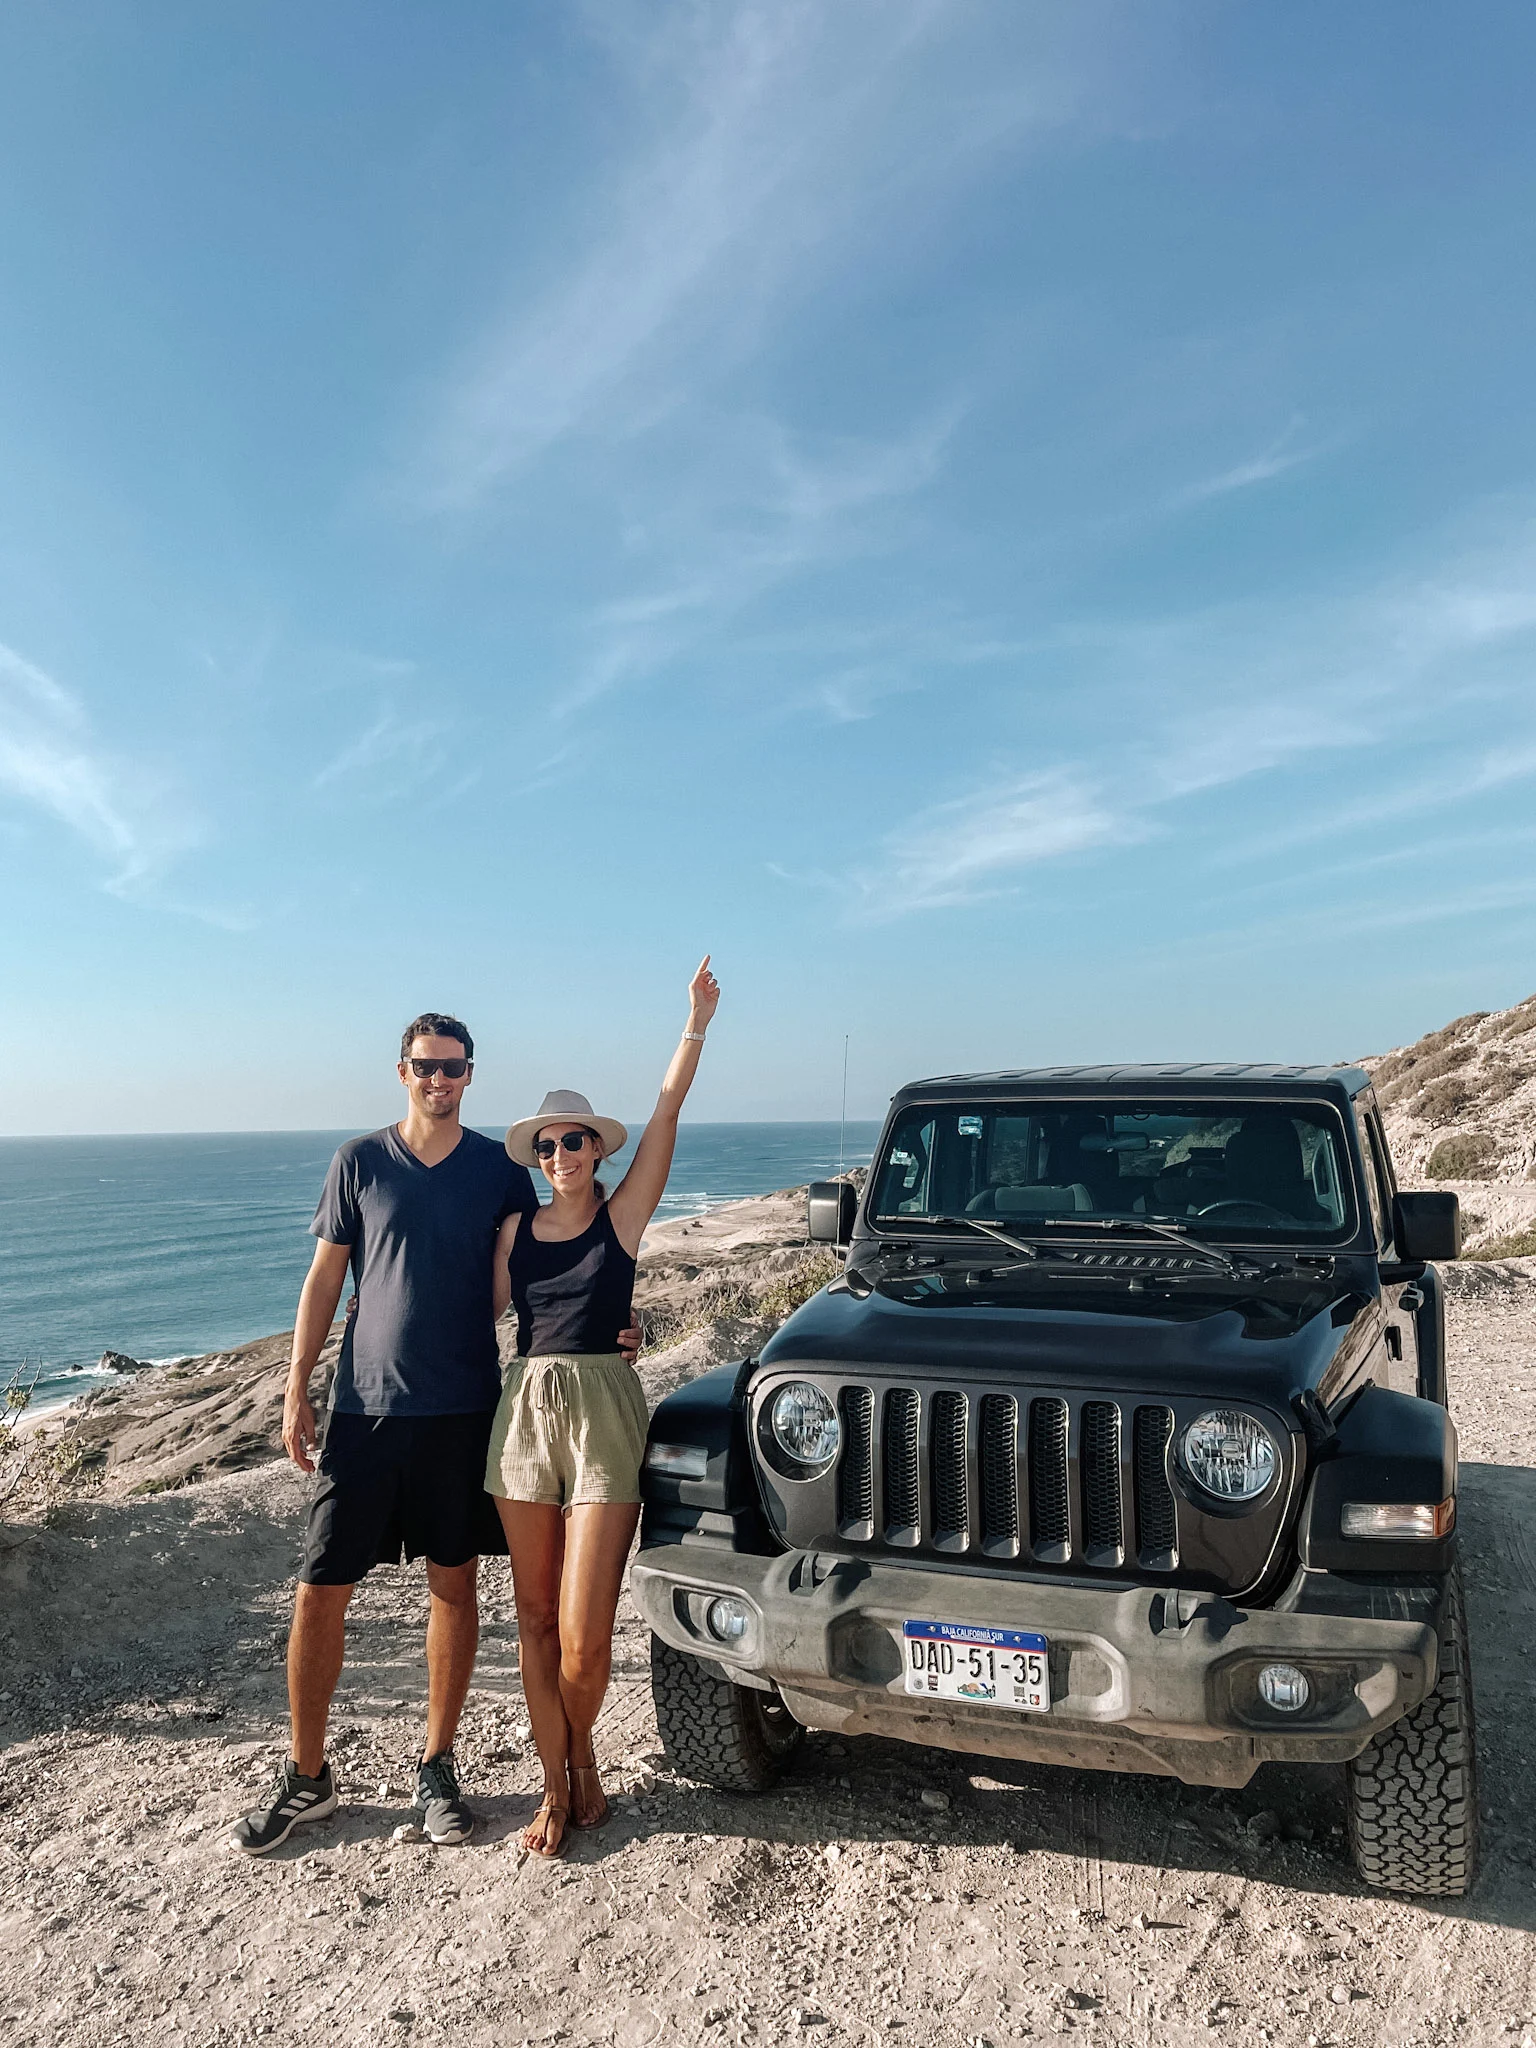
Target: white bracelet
(693, 1038)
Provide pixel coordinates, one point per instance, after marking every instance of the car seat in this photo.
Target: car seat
(1263, 1163)
(1067, 1200)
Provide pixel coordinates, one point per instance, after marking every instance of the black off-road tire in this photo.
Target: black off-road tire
(1413, 1819)
(716, 1733)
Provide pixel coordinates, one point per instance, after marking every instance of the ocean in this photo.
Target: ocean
(164, 1247)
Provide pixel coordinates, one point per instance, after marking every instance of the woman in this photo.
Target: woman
(569, 1434)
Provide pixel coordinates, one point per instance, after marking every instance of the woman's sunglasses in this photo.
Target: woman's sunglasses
(451, 1070)
(545, 1148)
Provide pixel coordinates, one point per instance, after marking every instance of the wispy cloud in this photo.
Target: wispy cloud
(781, 504)
(391, 751)
(50, 761)
(1215, 699)
(769, 130)
(974, 846)
(1282, 455)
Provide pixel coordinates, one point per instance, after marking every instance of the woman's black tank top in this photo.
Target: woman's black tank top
(572, 1294)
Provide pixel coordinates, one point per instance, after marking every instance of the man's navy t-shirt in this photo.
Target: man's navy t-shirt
(422, 1339)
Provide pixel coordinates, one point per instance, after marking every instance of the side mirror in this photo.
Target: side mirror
(829, 1211)
(1426, 1225)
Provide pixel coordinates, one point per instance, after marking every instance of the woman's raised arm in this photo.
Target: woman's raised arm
(634, 1200)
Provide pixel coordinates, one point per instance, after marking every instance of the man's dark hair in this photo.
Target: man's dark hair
(433, 1024)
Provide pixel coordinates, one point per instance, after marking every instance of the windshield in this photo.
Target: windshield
(1244, 1172)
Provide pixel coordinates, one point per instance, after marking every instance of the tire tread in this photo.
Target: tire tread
(713, 1731)
(1413, 1812)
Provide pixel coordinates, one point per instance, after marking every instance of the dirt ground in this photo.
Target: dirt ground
(882, 1894)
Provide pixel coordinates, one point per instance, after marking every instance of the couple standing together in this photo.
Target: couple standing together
(429, 1450)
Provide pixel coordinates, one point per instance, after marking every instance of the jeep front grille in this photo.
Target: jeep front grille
(950, 1471)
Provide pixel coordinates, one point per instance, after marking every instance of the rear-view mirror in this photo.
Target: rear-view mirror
(829, 1211)
(1426, 1224)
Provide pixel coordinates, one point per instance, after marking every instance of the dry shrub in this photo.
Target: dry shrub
(1499, 1083)
(1467, 1156)
(1520, 1244)
(1427, 1058)
(720, 1299)
(1443, 1101)
(1521, 1020)
(1418, 1067)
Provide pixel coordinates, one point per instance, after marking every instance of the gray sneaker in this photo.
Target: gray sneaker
(294, 1802)
(444, 1816)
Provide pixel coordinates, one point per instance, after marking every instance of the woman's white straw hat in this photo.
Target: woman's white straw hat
(564, 1106)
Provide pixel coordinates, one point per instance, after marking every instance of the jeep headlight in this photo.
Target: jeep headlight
(804, 1424)
(1229, 1454)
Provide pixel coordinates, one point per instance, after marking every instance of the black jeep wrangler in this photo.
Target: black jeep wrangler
(1120, 1442)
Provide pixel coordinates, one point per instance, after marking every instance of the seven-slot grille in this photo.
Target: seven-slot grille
(1041, 1478)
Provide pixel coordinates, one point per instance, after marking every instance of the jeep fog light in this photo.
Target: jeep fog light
(727, 1620)
(1229, 1454)
(1388, 1521)
(1284, 1688)
(804, 1424)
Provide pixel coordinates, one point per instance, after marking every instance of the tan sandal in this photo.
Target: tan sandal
(546, 1810)
(590, 1770)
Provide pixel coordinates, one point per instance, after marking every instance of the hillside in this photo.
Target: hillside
(1460, 1110)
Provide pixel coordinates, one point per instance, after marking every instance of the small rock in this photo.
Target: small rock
(75, 1671)
(714, 2016)
(1264, 1825)
(832, 1852)
(407, 1832)
(384, 1789)
(402, 2015)
(935, 1800)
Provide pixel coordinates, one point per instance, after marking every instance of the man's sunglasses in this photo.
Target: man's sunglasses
(451, 1070)
(545, 1148)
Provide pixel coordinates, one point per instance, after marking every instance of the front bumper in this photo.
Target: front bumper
(1141, 1679)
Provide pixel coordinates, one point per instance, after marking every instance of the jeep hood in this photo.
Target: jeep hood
(1244, 1348)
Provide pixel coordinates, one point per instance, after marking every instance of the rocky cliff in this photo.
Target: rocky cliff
(1460, 1110)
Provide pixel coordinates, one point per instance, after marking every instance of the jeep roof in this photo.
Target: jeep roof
(1173, 1074)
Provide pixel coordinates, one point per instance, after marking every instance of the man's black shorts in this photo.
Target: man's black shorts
(388, 1486)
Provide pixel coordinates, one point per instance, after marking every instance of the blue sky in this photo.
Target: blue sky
(1014, 525)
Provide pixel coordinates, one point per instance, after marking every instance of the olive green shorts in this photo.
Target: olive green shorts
(568, 1430)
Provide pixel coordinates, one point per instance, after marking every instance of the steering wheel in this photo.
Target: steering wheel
(1250, 1212)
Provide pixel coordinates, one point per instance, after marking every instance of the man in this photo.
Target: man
(413, 1211)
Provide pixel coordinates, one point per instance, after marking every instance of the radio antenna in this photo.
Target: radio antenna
(842, 1127)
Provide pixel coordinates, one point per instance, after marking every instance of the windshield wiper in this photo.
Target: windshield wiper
(1014, 1244)
(1173, 1232)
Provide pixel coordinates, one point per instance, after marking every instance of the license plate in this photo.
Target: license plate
(981, 1667)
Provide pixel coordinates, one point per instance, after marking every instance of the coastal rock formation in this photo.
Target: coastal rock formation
(119, 1361)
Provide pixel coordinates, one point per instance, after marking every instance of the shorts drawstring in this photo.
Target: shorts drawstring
(548, 1388)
